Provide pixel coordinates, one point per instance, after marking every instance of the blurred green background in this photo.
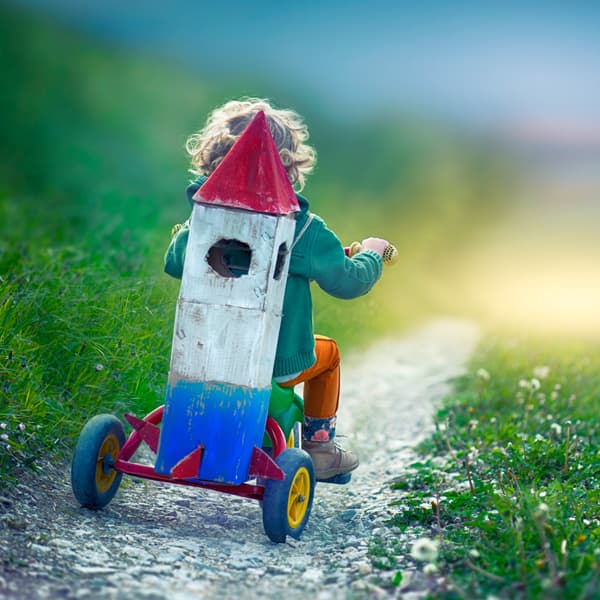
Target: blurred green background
(468, 137)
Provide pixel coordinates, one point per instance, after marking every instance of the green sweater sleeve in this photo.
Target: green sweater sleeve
(337, 274)
(175, 255)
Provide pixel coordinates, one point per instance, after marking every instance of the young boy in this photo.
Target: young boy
(317, 255)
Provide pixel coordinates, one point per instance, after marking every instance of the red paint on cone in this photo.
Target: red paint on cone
(251, 176)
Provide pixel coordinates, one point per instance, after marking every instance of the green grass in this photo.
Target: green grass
(92, 177)
(509, 482)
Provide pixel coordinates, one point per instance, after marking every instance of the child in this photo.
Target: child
(317, 255)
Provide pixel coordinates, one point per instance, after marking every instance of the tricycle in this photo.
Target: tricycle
(280, 474)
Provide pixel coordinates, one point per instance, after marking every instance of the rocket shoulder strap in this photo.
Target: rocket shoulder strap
(302, 231)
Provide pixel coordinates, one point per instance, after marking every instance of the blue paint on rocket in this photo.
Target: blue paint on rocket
(228, 420)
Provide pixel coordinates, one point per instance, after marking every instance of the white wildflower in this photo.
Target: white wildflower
(535, 384)
(473, 424)
(99, 367)
(563, 547)
(539, 437)
(523, 383)
(4, 437)
(483, 374)
(22, 426)
(425, 549)
(2, 425)
(542, 510)
(430, 569)
(541, 372)
(556, 428)
(474, 553)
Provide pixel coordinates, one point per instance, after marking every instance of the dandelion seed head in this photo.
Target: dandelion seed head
(483, 374)
(523, 383)
(541, 372)
(425, 549)
(535, 384)
(542, 510)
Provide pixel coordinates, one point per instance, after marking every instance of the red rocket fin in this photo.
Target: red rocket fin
(251, 176)
(262, 465)
(189, 465)
(148, 432)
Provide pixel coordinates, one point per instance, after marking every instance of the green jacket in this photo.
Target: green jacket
(318, 255)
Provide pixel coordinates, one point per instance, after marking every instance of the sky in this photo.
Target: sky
(532, 68)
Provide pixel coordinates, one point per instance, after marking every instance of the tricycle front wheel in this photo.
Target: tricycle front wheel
(287, 503)
(93, 477)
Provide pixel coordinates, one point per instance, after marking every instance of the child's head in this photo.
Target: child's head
(225, 124)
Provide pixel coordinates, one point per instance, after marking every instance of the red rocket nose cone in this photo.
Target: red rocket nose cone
(251, 176)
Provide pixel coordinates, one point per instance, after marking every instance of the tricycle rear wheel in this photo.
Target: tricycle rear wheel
(93, 477)
(287, 503)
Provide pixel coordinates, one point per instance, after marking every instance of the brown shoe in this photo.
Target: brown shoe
(330, 459)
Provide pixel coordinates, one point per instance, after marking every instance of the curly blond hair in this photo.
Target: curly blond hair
(225, 124)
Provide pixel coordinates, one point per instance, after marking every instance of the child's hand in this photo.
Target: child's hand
(377, 244)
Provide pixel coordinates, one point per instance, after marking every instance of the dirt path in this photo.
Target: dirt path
(161, 541)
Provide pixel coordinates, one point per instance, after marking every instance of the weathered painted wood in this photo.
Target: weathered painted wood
(252, 175)
(223, 343)
(229, 421)
(263, 233)
(227, 321)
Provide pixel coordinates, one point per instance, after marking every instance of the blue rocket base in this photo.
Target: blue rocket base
(227, 420)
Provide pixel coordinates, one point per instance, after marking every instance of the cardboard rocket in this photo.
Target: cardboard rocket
(228, 314)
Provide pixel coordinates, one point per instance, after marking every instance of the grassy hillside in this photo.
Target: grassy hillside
(92, 173)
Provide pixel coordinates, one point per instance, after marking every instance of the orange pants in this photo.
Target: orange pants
(321, 381)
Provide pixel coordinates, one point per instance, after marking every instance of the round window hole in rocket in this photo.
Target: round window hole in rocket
(229, 258)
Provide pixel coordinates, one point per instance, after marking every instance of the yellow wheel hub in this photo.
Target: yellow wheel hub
(104, 479)
(298, 497)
